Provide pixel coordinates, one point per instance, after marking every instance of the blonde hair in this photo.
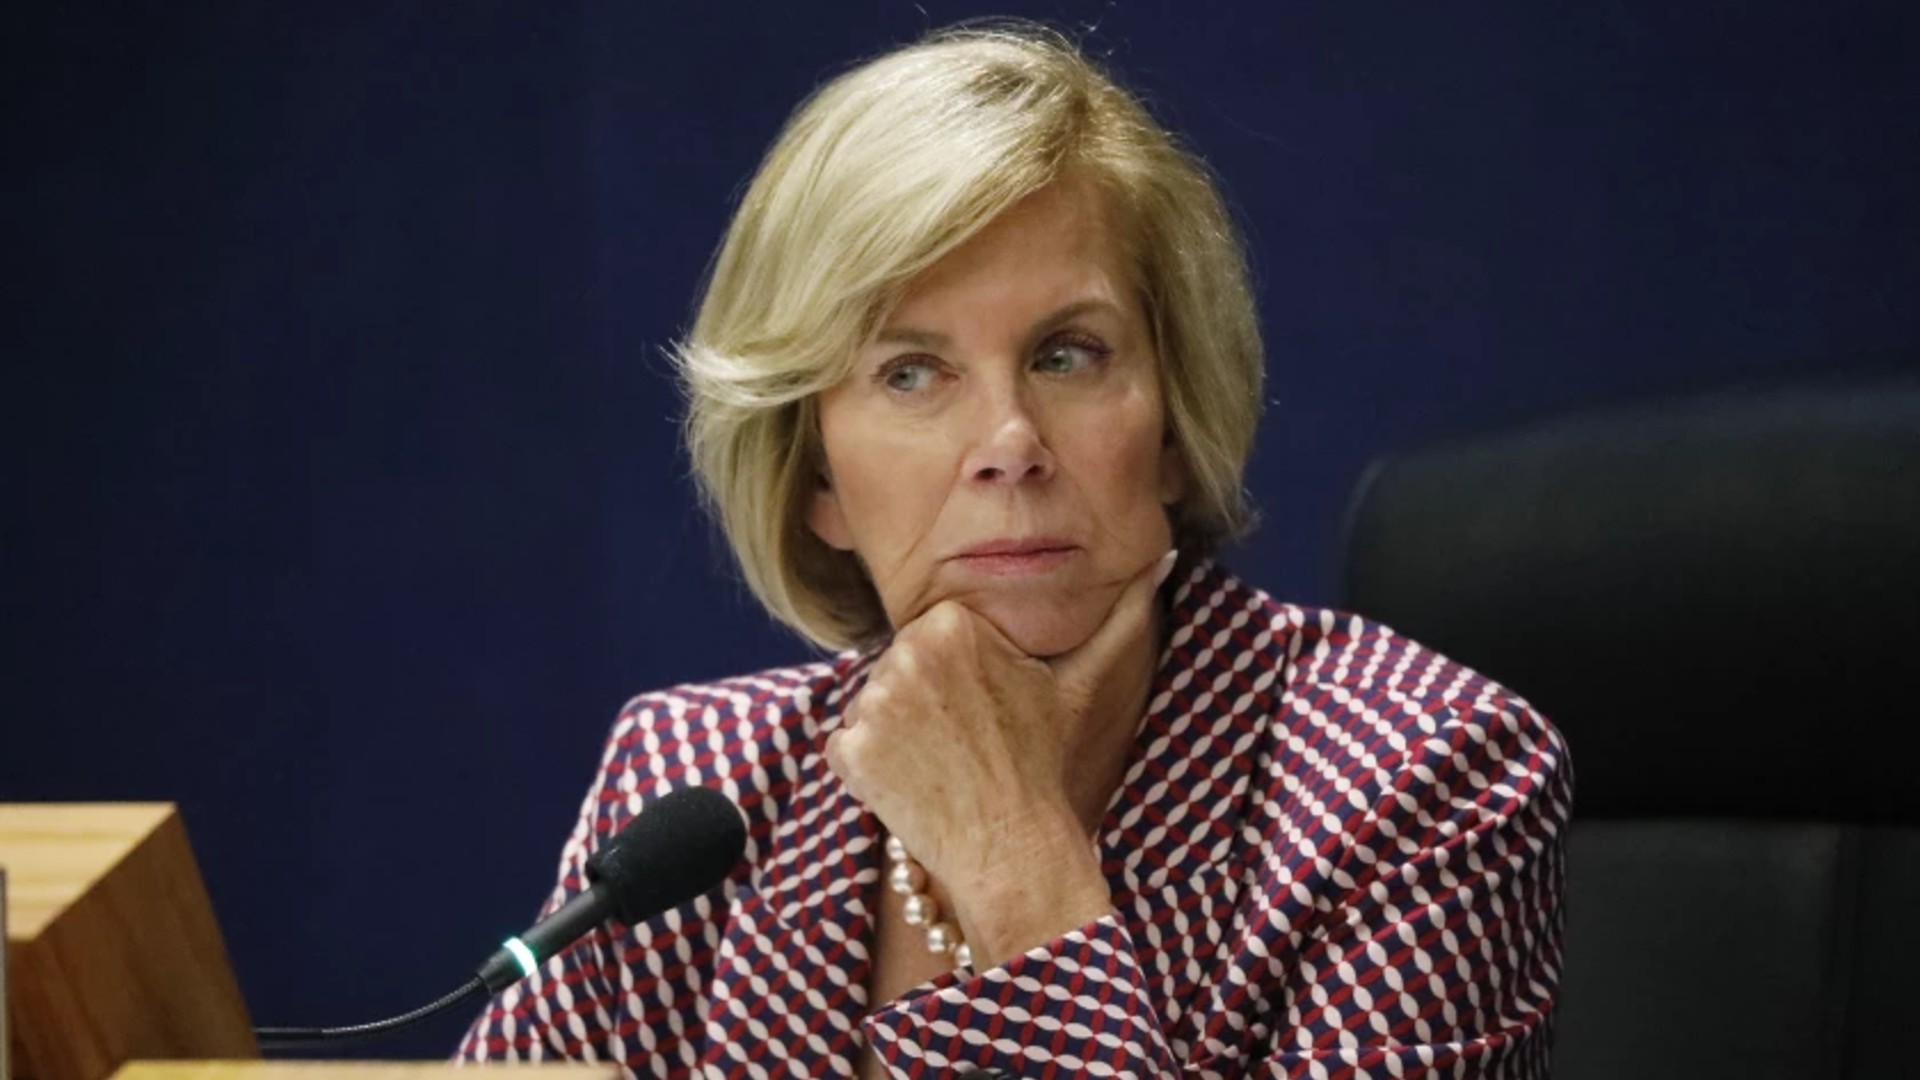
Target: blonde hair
(878, 174)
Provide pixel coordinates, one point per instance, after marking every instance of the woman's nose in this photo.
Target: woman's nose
(1010, 449)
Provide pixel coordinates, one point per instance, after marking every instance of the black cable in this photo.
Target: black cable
(306, 1038)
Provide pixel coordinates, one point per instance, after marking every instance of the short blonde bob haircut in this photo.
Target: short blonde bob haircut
(878, 174)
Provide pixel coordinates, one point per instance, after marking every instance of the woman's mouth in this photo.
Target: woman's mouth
(1017, 558)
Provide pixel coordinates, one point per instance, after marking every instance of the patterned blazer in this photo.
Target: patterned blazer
(1334, 854)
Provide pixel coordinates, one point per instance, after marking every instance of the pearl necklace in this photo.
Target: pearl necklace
(908, 878)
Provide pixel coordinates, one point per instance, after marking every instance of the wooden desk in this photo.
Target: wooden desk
(113, 952)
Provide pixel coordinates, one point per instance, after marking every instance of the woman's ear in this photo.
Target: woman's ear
(826, 517)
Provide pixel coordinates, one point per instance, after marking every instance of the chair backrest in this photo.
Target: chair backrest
(1717, 600)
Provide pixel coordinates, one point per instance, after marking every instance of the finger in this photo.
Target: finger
(836, 754)
(832, 752)
(946, 638)
(1082, 669)
(869, 705)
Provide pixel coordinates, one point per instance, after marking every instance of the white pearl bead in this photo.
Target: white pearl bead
(906, 878)
(941, 938)
(921, 910)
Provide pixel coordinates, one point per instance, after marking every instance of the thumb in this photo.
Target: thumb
(1081, 670)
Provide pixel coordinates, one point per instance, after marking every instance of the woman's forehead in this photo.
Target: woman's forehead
(1052, 251)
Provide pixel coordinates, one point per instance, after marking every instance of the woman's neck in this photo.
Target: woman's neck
(1098, 755)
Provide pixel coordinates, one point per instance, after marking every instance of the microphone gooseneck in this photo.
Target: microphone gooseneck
(293, 1038)
(679, 846)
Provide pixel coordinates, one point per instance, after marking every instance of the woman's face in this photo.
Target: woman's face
(1011, 403)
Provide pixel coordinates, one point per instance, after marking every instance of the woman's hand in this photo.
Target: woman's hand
(964, 747)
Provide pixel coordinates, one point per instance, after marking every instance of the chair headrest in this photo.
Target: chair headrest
(1716, 598)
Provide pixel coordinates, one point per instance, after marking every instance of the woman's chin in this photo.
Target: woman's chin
(1043, 630)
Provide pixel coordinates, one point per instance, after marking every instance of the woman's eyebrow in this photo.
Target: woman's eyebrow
(1075, 310)
(919, 339)
(928, 339)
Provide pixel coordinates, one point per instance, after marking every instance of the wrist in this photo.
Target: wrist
(1037, 888)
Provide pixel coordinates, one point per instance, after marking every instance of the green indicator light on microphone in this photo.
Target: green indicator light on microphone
(521, 953)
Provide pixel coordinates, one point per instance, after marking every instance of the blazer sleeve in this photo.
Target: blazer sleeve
(1444, 957)
(1440, 956)
(1073, 1007)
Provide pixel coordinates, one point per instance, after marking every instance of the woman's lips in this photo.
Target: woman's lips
(1016, 560)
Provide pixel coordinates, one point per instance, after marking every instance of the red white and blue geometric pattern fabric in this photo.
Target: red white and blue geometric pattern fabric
(1334, 854)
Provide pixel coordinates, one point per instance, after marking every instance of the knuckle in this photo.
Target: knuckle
(901, 661)
(848, 749)
(948, 620)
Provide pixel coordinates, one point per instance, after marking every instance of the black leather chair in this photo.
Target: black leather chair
(1717, 599)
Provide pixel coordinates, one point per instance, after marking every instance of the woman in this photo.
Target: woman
(971, 389)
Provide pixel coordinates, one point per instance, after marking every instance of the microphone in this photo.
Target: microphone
(679, 846)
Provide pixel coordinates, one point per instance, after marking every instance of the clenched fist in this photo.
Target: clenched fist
(992, 766)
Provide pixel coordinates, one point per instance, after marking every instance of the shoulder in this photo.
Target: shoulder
(705, 730)
(1454, 751)
(1354, 693)
(740, 736)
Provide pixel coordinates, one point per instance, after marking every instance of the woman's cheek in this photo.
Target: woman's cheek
(1128, 469)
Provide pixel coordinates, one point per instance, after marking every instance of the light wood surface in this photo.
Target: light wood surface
(55, 853)
(349, 1070)
(114, 951)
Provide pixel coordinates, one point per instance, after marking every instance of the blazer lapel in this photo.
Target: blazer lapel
(1172, 846)
(793, 964)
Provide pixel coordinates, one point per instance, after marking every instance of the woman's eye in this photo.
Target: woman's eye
(1067, 357)
(908, 376)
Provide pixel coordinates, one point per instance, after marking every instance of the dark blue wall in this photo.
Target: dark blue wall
(343, 499)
